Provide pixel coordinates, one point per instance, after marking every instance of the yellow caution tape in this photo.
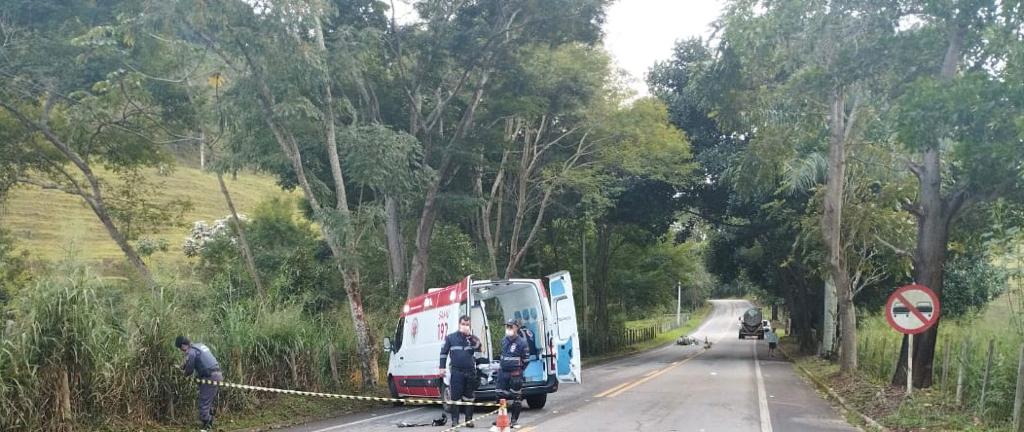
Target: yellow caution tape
(341, 396)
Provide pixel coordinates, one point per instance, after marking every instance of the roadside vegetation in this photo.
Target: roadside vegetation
(275, 180)
(815, 154)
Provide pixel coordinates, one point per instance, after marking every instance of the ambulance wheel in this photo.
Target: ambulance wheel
(537, 401)
(393, 389)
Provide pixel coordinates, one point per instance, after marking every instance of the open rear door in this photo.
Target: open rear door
(566, 334)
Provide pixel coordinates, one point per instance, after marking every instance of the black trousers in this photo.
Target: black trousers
(463, 387)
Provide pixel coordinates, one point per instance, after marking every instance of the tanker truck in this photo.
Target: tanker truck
(752, 324)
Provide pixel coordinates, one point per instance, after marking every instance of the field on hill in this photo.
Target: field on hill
(52, 224)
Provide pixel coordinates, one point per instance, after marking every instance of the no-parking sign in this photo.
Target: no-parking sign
(912, 309)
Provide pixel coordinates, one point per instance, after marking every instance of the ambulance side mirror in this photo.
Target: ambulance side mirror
(387, 344)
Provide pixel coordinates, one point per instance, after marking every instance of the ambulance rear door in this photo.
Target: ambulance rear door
(565, 332)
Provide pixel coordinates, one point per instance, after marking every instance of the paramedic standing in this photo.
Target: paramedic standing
(200, 360)
(514, 357)
(461, 345)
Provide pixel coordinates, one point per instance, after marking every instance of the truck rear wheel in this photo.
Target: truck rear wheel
(537, 401)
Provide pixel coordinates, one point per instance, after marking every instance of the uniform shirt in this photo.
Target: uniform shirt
(461, 347)
(200, 359)
(771, 337)
(514, 354)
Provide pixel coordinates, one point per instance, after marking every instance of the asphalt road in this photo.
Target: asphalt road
(733, 386)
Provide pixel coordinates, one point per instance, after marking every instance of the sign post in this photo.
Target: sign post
(911, 310)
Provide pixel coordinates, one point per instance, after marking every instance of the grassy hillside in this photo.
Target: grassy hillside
(51, 224)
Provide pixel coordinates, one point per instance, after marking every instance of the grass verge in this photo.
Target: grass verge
(267, 414)
(696, 318)
(861, 396)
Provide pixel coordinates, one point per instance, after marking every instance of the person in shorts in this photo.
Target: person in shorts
(773, 341)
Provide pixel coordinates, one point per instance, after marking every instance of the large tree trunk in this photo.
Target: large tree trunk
(491, 235)
(425, 229)
(350, 272)
(830, 315)
(335, 240)
(832, 218)
(934, 215)
(99, 207)
(250, 261)
(365, 345)
(396, 246)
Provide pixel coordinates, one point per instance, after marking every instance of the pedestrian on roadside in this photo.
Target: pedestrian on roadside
(773, 341)
(515, 355)
(461, 346)
(200, 361)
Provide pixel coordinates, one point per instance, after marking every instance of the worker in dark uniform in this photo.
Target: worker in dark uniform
(461, 347)
(527, 334)
(515, 356)
(199, 360)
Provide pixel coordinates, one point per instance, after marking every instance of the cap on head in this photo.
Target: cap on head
(512, 322)
(181, 340)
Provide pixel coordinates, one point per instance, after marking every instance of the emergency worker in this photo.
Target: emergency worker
(200, 360)
(461, 346)
(527, 334)
(515, 356)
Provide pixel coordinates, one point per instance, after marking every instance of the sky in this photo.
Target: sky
(639, 32)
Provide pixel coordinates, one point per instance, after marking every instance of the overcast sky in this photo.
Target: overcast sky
(640, 32)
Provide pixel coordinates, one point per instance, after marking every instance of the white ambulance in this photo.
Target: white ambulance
(544, 305)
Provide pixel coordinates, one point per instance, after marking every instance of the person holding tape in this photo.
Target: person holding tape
(200, 361)
(515, 355)
(461, 347)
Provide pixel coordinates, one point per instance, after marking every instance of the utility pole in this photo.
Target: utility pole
(583, 247)
(679, 303)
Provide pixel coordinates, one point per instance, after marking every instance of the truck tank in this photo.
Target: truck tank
(752, 324)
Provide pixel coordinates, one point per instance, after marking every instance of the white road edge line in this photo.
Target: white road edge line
(367, 420)
(762, 396)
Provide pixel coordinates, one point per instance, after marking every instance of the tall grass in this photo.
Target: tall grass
(879, 348)
(114, 350)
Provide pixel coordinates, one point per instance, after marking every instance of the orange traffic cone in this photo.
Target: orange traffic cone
(503, 423)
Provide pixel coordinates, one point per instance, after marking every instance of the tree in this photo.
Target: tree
(630, 191)
(76, 106)
(546, 134)
(287, 77)
(961, 124)
(441, 69)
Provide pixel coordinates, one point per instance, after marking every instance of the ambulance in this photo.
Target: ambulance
(544, 305)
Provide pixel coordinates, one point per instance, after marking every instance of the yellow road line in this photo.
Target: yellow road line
(653, 376)
(604, 393)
